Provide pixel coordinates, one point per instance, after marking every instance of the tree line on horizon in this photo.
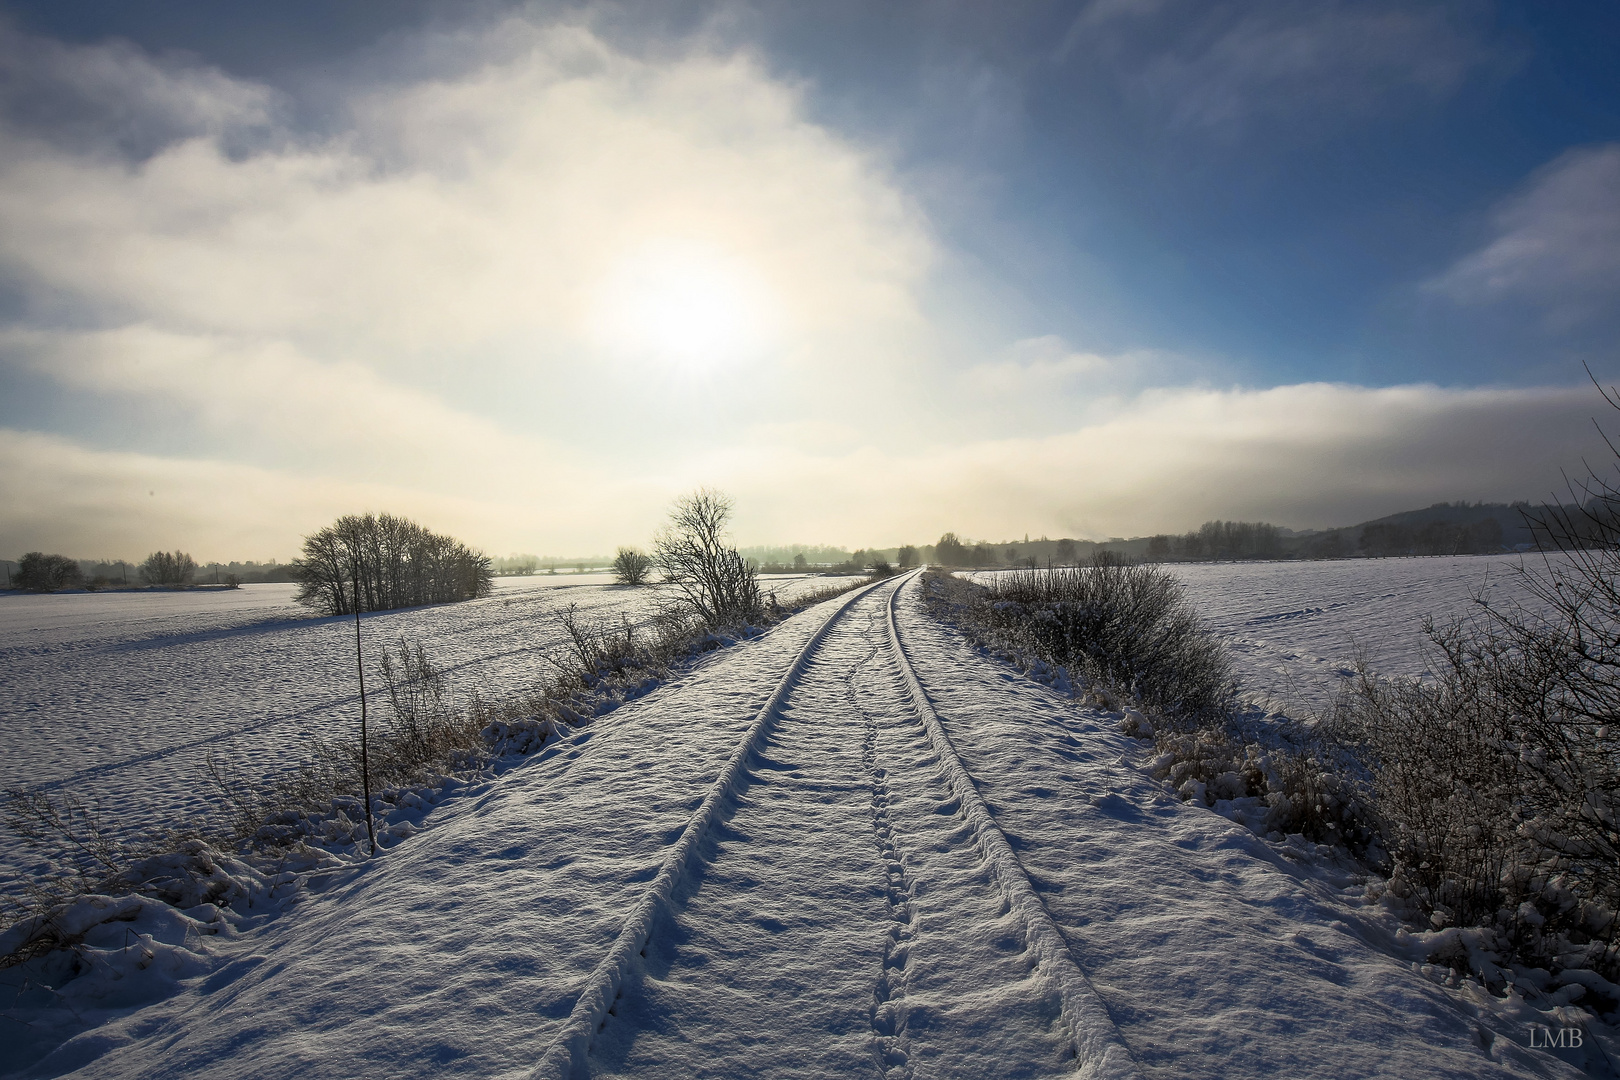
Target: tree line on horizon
(1213, 541)
(38, 571)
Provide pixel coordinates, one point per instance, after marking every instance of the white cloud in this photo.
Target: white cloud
(265, 401)
(115, 98)
(478, 214)
(417, 314)
(1220, 67)
(1306, 455)
(1039, 363)
(1556, 243)
(434, 297)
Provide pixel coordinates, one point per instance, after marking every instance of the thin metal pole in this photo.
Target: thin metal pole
(360, 667)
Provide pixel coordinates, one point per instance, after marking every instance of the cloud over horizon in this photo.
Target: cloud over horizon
(531, 285)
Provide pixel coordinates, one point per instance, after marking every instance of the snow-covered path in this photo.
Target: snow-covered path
(843, 921)
(841, 911)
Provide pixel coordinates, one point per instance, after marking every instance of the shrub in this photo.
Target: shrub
(168, 568)
(632, 567)
(1294, 778)
(380, 562)
(713, 579)
(1127, 627)
(1442, 781)
(47, 573)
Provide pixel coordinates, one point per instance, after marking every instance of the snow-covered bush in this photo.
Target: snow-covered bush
(631, 567)
(1494, 786)
(1126, 627)
(1123, 639)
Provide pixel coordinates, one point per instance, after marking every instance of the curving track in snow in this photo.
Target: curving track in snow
(928, 896)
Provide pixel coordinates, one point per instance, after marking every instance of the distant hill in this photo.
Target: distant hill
(1510, 516)
(1459, 528)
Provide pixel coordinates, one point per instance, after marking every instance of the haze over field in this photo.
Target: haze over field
(525, 272)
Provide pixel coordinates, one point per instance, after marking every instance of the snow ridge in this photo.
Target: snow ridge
(566, 1055)
(1099, 1050)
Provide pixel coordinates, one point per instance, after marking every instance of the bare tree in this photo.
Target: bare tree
(907, 556)
(631, 566)
(711, 576)
(47, 573)
(168, 568)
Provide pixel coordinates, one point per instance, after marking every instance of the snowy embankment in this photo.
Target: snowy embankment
(845, 911)
(119, 697)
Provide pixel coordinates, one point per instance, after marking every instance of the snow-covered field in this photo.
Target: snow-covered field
(706, 884)
(119, 696)
(1295, 628)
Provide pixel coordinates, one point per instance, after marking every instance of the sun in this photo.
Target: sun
(684, 305)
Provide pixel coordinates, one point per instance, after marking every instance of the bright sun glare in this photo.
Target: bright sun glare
(685, 306)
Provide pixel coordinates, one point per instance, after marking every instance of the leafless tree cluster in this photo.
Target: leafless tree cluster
(631, 566)
(47, 573)
(168, 568)
(710, 575)
(1220, 540)
(380, 562)
(1433, 538)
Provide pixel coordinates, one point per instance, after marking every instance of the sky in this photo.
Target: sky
(527, 272)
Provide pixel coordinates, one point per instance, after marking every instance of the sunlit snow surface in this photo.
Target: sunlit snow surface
(1294, 629)
(119, 697)
(841, 881)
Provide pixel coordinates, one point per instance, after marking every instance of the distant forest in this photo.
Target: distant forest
(118, 573)
(1446, 528)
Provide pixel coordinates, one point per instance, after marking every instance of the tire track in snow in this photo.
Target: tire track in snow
(1084, 1030)
(1098, 1048)
(566, 1056)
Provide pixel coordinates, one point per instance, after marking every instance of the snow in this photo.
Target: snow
(1216, 952)
(843, 911)
(119, 696)
(1293, 628)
